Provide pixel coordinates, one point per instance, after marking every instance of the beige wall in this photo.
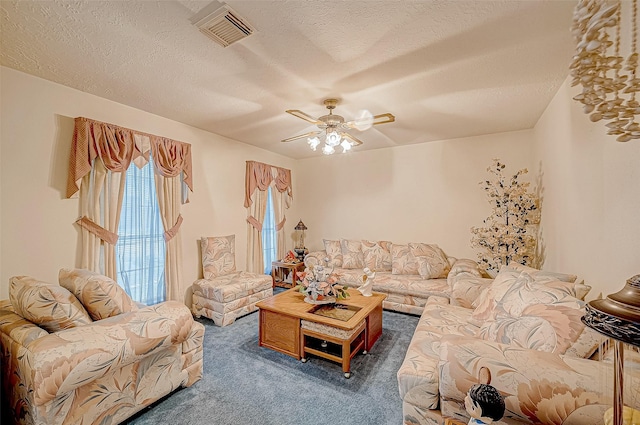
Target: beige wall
(419, 193)
(591, 191)
(38, 235)
(427, 192)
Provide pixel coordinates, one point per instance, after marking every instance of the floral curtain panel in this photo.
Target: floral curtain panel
(100, 156)
(259, 177)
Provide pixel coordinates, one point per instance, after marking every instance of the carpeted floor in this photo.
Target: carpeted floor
(247, 384)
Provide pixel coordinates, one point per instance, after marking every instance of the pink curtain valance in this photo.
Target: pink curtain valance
(116, 147)
(259, 176)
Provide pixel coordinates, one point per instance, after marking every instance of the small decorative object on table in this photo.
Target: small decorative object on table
(484, 404)
(291, 257)
(300, 250)
(367, 280)
(320, 285)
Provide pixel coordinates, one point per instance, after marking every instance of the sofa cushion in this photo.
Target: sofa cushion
(427, 260)
(100, 295)
(50, 306)
(232, 286)
(533, 315)
(377, 255)
(418, 378)
(218, 255)
(402, 262)
(466, 289)
(352, 257)
(334, 252)
(555, 279)
(486, 302)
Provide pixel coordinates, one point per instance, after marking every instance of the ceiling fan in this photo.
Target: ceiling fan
(334, 127)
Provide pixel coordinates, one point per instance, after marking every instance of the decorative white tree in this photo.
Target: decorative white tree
(506, 237)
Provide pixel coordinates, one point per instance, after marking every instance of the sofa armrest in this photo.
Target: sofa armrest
(60, 362)
(543, 387)
(314, 258)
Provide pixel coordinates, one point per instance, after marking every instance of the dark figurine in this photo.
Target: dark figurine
(484, 404)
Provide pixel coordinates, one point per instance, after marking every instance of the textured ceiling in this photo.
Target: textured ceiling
(445, 69)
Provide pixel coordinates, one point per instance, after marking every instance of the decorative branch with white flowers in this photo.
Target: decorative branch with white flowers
(507, 236)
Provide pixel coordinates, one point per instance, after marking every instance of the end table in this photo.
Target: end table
(285, 274)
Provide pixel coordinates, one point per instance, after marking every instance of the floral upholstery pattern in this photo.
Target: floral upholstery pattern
(406, 293)
(102, 372)
(558, 390)
(377, 255)
(101, 296)
(51, 306)
(446, 354)
(226, 294)
(352, 256)
(333, 252)
(218, 255)
(535, 316)
(225, 298)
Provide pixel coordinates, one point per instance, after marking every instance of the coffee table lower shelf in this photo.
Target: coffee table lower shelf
(337, 348)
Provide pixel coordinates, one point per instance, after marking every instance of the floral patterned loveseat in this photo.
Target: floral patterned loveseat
(523, 327)
(83, 352)
(408, 273)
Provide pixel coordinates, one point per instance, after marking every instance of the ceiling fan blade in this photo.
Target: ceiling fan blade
(306, 117)
(383, 118)
(302, 136)
(354, 141)
(365, 123)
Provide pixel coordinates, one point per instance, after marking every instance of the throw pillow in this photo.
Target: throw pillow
(488, 299)
(100, 295)
(52, 307)
(466, 288)
(534, 316)
(377, 255)
(402, 262)
(558, 280)
(218, 256)
(432, 263)
(352, 257)
(334, 252)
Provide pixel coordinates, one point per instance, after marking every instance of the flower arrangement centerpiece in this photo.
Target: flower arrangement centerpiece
(320, 285)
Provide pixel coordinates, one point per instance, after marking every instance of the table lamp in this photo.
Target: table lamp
(617, 317)
(300, 250)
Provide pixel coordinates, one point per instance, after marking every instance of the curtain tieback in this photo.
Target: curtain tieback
(169, 234)
(256, 225)
(104, 234)
(280, 225)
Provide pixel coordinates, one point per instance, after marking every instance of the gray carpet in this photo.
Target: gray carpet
(247, 384)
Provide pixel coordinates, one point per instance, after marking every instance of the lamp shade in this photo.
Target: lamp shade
(618, 315)
(300, 226)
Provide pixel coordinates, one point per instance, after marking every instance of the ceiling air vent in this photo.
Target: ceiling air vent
(224, 26)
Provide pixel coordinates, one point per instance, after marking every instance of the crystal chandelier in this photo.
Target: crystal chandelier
(332, 139)
(609, 81)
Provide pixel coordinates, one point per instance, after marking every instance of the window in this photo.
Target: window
(140, 250)
(269, 236)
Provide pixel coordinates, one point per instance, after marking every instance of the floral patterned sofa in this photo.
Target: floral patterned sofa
(525, 328)
(82, 352)
(408, 273)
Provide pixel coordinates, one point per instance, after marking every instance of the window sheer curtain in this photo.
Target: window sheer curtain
(140, 249)
(100, 155)
(259, 177)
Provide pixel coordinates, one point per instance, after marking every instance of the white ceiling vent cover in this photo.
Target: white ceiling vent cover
(224, 26)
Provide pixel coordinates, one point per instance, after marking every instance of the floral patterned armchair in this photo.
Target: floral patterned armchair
(97, 363)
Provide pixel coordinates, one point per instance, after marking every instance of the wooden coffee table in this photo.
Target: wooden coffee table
(282, 317)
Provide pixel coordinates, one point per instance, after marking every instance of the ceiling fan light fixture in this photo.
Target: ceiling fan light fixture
(328, 150)
(332, 139)
(346, 146)
(313, 142)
